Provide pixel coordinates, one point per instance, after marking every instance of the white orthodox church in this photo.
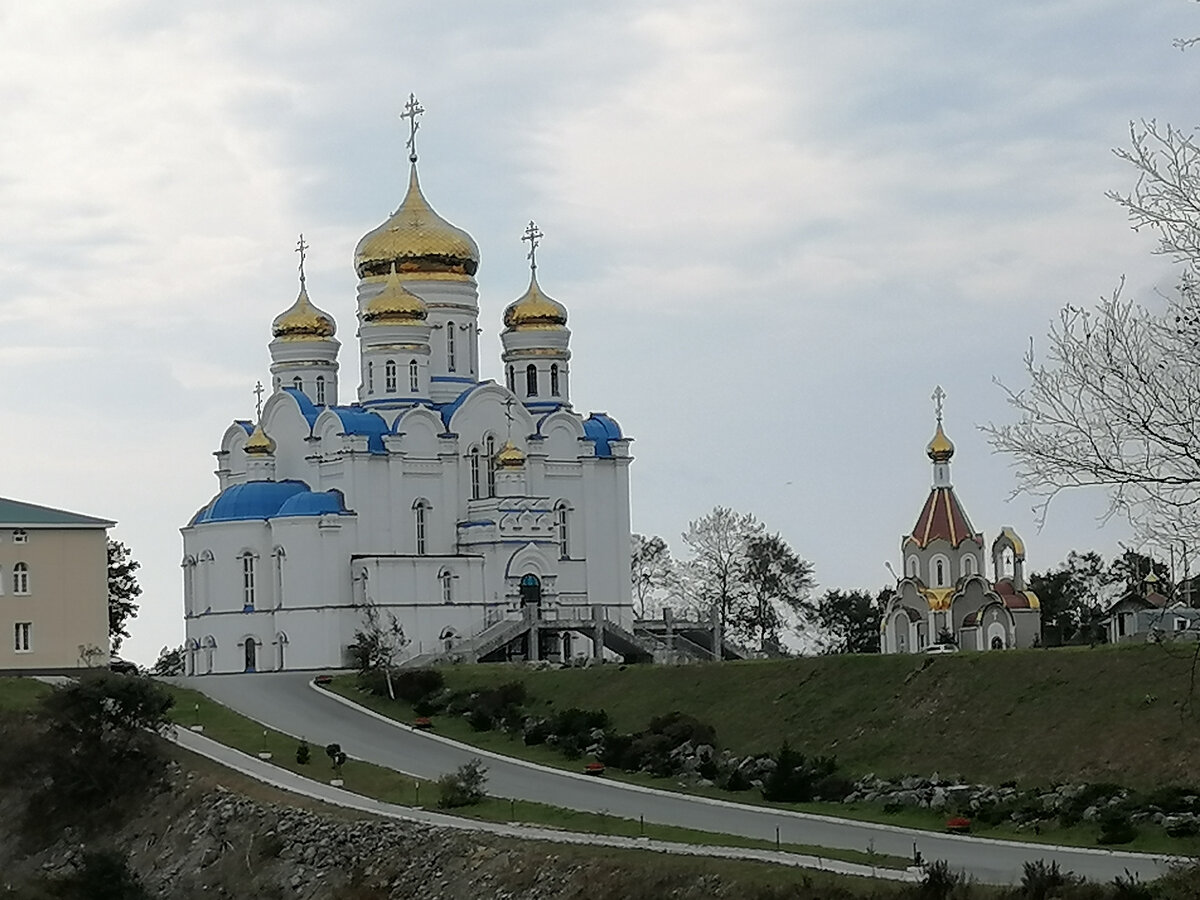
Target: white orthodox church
(464, 508)
(944, 595)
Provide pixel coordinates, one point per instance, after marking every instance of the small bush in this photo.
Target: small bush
(303, 754)
(1116, 828)
(104, 875)
(1041, 882)
(1127, 887)
(939, 883)
(413, 685)
(463, 787)
(681, 728)
(795, 778)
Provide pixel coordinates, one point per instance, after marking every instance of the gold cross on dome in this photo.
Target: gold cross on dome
(937, 397)
(302, 249)
(412, 109)
(258, 392)
(534, 236)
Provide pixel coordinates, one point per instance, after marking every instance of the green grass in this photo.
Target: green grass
(228, 727)
(19, 693)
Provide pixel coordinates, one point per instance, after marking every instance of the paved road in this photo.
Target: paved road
(286, 702)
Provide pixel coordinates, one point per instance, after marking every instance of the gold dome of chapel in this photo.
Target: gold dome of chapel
(259, 443)
(535, 310)
(303, 322)
(418, 241)
(395, 305)
(941, 448)
(510, 456)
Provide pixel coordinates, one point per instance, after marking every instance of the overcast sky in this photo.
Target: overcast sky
(776, 226)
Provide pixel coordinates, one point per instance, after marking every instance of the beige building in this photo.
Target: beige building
(53, 589)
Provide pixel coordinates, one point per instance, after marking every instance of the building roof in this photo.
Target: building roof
(943, 517)
(601, 429)
(14, 513)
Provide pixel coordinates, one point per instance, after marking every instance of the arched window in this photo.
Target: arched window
(560, 528)
(320, 390)
(475, 473)
(512, 379)
(531, 387)
(1006, 563)
(278, 382)
(298, 383)
(421, 523)
(491, 465)
(968, 565)
(414, 381)
(370, 378)
(939, 576)
(554, 379)
(447, 580)
(279, 556)
(912, 567)
(450, 360)
(21, 578)
(248, 573)
(389, 377)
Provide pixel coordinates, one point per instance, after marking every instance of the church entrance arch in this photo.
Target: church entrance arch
(997, 643)
(531, 590)
(251, 648)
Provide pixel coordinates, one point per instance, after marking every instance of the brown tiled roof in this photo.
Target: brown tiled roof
(943, 517)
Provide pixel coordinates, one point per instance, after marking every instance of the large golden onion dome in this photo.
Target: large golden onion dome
(418, 241)
(303, 322)
(534, 311)
(940, 449)
(259, 443)
(510, 456)
(395, 305)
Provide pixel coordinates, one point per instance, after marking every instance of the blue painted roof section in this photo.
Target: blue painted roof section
(449, 409)
(307, 409)
(600, 428)
(313, 503)
(247, 426)
(356, 420)
(250, 501)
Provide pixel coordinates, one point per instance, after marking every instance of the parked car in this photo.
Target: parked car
(123, 666)
(941, 648)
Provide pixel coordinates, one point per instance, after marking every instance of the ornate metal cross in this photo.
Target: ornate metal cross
(534, 236)
(412, 109)
(508, 406)
(258, 392)
(937, 397)
(302, 249)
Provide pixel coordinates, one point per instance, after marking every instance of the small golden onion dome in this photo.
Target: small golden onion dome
(940, 449)
(259, 442)
(395, 304)
(510, 456)
(418, 241)
(535, 311)
(303, 322)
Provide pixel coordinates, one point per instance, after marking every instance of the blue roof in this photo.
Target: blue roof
(307, 409)
(356, 420)
(449, 409)
(313, 503)
(250, 501)
(247, 426)
(600, 428)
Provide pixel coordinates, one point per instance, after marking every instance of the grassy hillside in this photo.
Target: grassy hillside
(1106, 714)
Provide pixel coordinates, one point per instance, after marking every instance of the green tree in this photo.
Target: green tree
(123, 591)
(779, 583)
(719, 544)
(849, 620)
(1069, 595)
(652, 572)
(1129, 571)
(378, 644)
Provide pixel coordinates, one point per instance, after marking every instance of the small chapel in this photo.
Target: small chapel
(460, 508)
(944, 596)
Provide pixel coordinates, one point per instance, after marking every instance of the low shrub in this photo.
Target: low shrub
(796, 777)
(303, 754)
(1116, 828)
(414, 685)
(1041, 882)
(463, 787)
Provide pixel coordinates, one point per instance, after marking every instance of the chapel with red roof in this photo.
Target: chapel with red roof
(944, 595)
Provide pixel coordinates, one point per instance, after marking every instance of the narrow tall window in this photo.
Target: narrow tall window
(414, 381)
(389, 377)
(370, 378)
(21, 578)
(491, 465)
(474, 473)
(512, 379)
(248, 581)
(21, 639)
(298, 383)
(421, 515)
(320, 390)
(20, 537)
(941, 574)
(560, 526)
(447, 586)
(554, 379)
(531, 389)
(450, 360)
(279, 555)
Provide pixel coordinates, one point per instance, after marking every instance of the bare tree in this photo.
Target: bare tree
(714, 579)
(379, 643)
(652, 571)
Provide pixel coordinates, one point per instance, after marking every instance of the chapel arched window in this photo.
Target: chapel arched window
(248, 575)
(512, 378)
(21, 578)
(320, 390)
(450, 355)
(491, 466)
(414, 381)
(298, 383)
(560, 527)
(475, 473)
(531, 380)
(554, 379)
(389, 376)
(421, 524)
(447, 580)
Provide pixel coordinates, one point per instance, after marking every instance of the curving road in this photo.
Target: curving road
(286, 701)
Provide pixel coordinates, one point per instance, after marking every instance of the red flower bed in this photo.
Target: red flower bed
(594, 768)
(958, 825)
(422, 722)
(323, 679)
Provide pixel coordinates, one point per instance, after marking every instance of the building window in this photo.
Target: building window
(447, 586)
(968, 565)
(912, 567)
(554, 379)
(450, 361)
(491, 465)
(421, 522)
(512, 379)
(389, 376)
(940, 574)
(1181, 624)
(248, 567)
(475, 473)
(370, 378)
(20, 537)
(414, 382)
(560, 528)
(531, 387)
(298, 383)
(279, 555)
(21, 637)
(320, 390)
(21, 578)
